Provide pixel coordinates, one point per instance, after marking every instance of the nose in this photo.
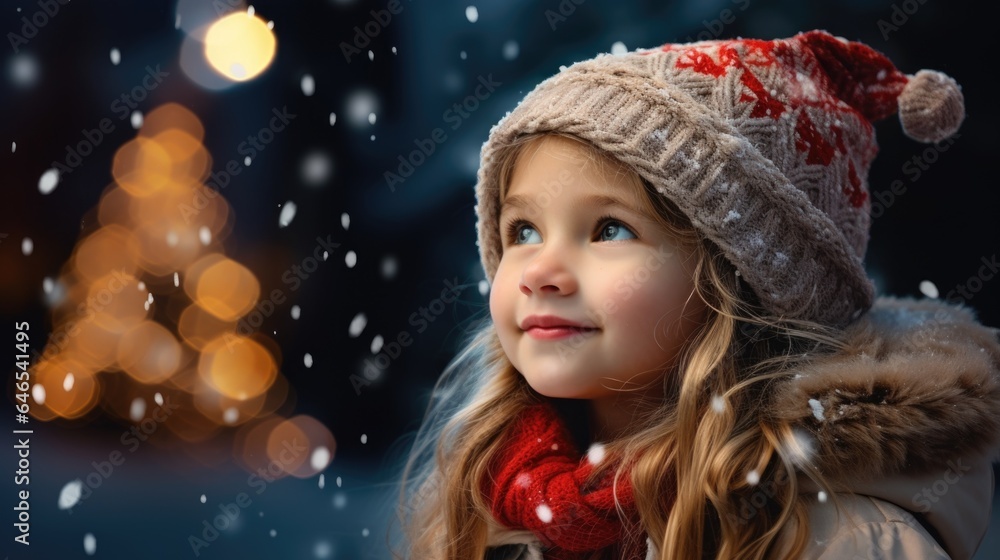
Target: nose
(549, 272)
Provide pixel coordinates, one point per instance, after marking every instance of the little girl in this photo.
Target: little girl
(685, 357)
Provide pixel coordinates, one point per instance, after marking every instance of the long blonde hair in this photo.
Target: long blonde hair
(710, 442)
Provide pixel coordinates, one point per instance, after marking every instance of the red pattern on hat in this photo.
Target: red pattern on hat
(843, 77)
(537, 482)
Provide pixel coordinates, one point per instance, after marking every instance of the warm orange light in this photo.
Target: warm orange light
(239, 46)
(78, 399)
(227, 290)
(237, 366)
(149, 353)
(108, 250)
(198, 327)
(142, 166)
(115, 302)
(302, 445)
(172, 115)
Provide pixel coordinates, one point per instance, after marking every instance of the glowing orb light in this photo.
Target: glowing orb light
(239, 46)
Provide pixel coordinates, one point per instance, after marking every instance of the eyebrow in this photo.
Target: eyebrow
(520, 201)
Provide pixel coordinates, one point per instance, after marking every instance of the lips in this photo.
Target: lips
(551, 327)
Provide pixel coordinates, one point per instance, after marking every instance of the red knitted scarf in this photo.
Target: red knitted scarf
(538, 483)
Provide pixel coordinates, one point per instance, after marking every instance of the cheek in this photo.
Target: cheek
(500, 296)
(649, 303)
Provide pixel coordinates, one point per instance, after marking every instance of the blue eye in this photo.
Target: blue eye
(615, 227)
(520, 232)
(515, 232)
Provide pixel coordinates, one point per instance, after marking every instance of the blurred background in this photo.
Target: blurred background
(314, 165)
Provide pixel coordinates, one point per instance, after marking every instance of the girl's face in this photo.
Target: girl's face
(578, 247)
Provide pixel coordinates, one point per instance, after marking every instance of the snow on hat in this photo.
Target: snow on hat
(764, 145)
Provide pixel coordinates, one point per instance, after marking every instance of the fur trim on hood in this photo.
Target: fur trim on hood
(917, 385)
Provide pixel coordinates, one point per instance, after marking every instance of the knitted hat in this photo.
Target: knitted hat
(764, 145)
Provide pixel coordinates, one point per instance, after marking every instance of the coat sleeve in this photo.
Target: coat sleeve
(889, 540)
(868, 528)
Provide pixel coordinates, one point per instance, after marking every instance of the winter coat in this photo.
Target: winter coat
(906, 418)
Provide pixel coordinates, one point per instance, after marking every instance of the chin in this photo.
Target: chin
(553, 388)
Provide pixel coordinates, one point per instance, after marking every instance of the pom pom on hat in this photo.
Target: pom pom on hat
(931, 106)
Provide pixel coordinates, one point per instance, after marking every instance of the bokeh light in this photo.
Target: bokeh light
(239, 46)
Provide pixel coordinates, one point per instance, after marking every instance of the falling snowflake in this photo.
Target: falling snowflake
(389, 267)
(205, 235)
(718, 403)
(339, 500)
(116, 56)
(357, 325)
(928, 289)
(296, 311)
(308, 85)
(333, 119)
(618, 48)
(316, 168)
(136, 119)
(351, 259)
(596, 453)
(68, 382)
(376, 344)
(27, 246)
(287, 214)
(38, 393)
(471, 14)
(510, 50)
(230, 415)
(138, 409)
(544, 513)
(484, 287)
(158, 398)
(308, 360)
(48, 181)
(70, 494)
(89, 544)
(817, 409)
(203, 498)
(364, 438)
(801, 447)
(753, 477)
(320, 458)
